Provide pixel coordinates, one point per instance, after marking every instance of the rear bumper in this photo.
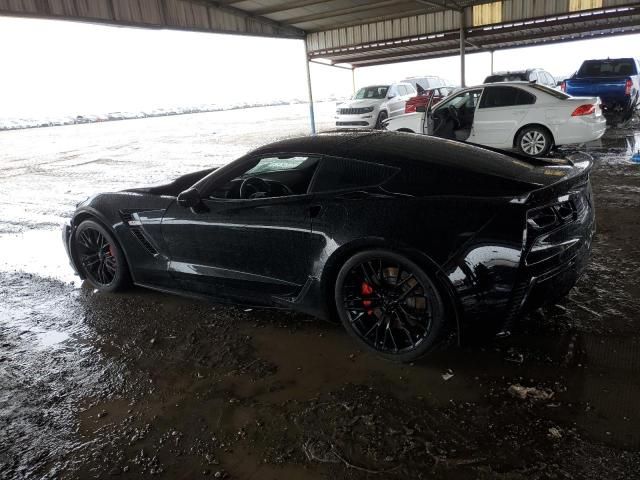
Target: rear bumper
(552, 285)
(581, 130)
(548, 281)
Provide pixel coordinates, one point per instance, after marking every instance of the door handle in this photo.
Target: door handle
(314, 210)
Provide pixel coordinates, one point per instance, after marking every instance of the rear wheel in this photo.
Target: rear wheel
(382, 116)
(534, 141)
(100, 257)
(389, 304)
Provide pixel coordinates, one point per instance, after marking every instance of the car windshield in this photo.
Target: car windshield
(506, 77)
(550, 91)
(606, 68)
(378, 91)
(277, 164)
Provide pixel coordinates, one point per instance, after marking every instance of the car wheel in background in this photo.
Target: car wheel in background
(382, 116)
(534, 141)
(389, 305)
(100, 257)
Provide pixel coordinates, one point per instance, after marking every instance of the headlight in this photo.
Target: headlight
(337, 111)
(367, 109)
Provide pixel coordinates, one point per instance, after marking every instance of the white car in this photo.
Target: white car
(528, 117)
(372, 105)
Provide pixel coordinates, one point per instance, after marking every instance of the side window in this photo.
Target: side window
(495, 97)
(547, 79)
(337, 174)
(267, 177)
(410, 90)
(402, 90)
(467, 100)
(393, 91)
(533, 77)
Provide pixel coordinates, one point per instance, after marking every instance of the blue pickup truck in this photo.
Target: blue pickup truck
(615, 81)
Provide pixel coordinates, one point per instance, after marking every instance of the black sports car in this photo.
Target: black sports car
(400, 236)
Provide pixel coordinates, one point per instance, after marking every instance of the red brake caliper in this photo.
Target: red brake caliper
(367, 290)
(111, 251)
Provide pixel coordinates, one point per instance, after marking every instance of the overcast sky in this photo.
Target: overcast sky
(53, 67)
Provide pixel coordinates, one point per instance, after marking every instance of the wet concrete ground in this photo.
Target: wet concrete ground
(142, 385)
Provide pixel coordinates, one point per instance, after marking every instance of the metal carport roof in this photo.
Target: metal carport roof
(362, 32)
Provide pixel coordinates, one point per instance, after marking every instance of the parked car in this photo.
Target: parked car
(401, 237)
(537, 75)
(430, 96)
(615, 81)
(372, 105)
(524, 116)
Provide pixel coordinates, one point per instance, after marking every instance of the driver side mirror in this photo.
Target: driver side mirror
(391, 95)
(190, 198)
(421, 108)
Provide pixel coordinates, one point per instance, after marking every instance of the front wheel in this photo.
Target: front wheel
(389, 305)
(100, 257)
(534, 141)
(382, 116)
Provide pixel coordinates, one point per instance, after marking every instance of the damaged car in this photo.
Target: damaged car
(526, 117)
(403, 238)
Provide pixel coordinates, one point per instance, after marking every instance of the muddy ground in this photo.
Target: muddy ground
(142, 385)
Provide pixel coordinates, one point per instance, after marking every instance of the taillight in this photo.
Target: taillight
(584, 110)
(563, 86)
(627, 87)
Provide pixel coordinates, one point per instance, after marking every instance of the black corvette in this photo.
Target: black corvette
(399, 236)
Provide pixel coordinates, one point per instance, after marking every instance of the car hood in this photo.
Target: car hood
(363, 103)
(175, 187)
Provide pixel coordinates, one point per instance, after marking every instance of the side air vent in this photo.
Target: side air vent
(139, 234)
(126, 216)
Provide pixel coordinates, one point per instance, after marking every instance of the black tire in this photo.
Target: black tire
(534, 141)
(382, 116)
(100, 257)
(410, 325)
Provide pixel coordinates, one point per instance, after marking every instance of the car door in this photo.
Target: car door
(499, 115)
(396, 101)
(242, 248)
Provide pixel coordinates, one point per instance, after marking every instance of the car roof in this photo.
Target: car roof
(514, 83)
(396, 149)
(513, 72)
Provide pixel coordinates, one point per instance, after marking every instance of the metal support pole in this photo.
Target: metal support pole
(462, 46)
(491, 62)
(312, 117)
(353, 80)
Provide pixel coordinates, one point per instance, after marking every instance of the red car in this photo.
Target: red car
(438, 95)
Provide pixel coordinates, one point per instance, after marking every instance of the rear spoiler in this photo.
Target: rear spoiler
(537, 161)
(556, 192)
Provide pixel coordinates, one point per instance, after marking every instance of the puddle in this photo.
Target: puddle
(51, 338)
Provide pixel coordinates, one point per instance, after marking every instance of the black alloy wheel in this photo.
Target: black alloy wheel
(389, 304)
(100, 257)
(382, 116)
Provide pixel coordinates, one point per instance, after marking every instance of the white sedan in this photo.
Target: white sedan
(524, 116)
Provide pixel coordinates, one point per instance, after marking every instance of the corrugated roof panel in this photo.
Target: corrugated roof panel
(138, 11)
(20, 6)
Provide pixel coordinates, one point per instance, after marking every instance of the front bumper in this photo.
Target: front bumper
(67, 234)
(365, 120)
